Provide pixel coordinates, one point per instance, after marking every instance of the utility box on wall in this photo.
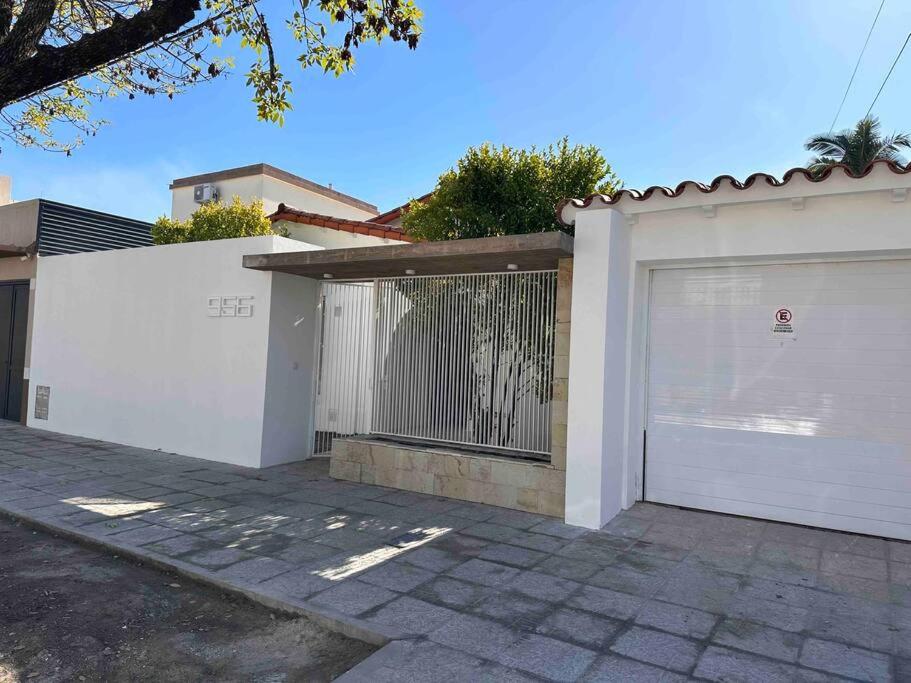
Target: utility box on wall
(177, 348)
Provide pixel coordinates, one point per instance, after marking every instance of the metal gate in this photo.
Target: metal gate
(465, 360)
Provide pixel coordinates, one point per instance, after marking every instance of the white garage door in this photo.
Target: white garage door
(783, 392)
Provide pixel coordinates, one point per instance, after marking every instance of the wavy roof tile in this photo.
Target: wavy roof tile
(288, 213)
(719, 182)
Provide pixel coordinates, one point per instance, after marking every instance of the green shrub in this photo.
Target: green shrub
(216, 221)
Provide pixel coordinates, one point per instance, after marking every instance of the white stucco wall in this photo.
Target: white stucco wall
(127, 345)
(273, 192)
(290, 366)
(615, 251)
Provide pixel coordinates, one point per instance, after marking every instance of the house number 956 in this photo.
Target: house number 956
(230, 306)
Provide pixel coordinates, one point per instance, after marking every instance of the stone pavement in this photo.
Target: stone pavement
(461, 591)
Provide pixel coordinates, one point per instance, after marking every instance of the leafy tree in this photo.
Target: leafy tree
(857, 147)
(57, 57)
(506, 191)
(216, 221)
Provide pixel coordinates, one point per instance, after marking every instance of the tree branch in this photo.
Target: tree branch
(23, 37)
(55, 65)
(6, 17)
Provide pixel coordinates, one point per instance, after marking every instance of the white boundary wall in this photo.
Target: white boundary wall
(615, 250)
(132, 354)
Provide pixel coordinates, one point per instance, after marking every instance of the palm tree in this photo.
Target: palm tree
(857, 148)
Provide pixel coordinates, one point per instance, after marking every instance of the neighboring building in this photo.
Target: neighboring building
(30, 230)
(272, 185)
(310, 212)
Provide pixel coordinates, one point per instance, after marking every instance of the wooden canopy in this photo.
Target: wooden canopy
(536, 251)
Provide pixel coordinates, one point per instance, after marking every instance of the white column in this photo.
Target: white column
(597, 368)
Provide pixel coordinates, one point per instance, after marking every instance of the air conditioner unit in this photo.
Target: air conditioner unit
(205, 193)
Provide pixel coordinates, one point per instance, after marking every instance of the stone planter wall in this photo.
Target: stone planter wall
(533, 487)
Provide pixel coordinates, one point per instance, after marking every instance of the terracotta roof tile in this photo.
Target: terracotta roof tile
(392, 214)
(287, 213)
(722, 180)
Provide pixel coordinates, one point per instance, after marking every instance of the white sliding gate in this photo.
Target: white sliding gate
(465, 360)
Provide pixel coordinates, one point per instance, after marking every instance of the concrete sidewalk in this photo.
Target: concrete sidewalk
(460, 591)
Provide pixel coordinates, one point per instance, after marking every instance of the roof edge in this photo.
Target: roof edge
(715, 184)
(288, 213)
(392, 214)
(278, 174)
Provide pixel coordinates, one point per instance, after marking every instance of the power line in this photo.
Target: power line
(859, 57)
(891, 69)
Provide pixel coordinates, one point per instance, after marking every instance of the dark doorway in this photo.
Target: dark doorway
(13, 326)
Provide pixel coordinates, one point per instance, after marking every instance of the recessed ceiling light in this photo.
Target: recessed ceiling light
(327, 276)
(512, 266)
(409, 271)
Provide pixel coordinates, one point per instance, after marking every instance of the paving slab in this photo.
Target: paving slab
(555, 660)
(846, 660)
(683, 621)
(513, 609)
(397, 576)
(582, 628)
(660, 594)
(723, 664)
(656, 647)
(759, 639)
(616, 668)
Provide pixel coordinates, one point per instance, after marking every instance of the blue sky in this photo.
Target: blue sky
(669, 91)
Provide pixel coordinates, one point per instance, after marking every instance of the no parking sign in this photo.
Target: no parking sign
(783, 324)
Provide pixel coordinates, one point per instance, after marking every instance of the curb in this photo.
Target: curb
(328, 619)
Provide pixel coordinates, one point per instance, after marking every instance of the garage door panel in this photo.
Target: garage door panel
(798, 504)
(785, 420)
(760, 362)
(758, 297)
(790, 482)
(822, 339)
(874, 471)
(741, 414)
(726, 315)
(815, 327)
(667, 397)
(833, 520)
(818, 425)
(711, 357)
(888, 389)
(784, 276)
(768, 441)
(808, 502)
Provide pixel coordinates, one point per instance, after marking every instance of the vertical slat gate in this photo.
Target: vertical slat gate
(465, 360)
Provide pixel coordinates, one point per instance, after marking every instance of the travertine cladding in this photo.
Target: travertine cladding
(533, 487)
(561, 363)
